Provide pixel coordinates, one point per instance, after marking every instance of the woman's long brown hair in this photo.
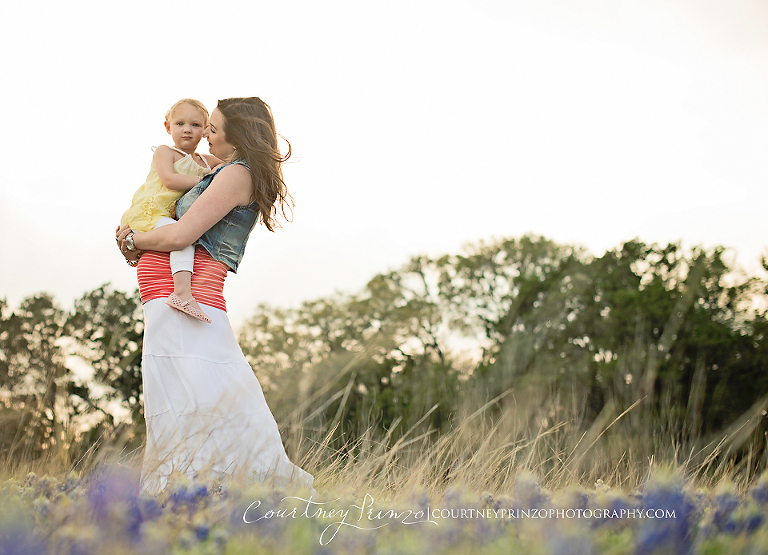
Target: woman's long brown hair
(249, 127)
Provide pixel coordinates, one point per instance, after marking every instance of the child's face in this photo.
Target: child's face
(186, 127)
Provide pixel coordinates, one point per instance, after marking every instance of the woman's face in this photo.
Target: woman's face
(217, 142)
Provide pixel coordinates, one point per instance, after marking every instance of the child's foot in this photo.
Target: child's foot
(188, 306)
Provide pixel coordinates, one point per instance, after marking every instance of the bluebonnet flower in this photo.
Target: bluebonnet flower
(753, 520)
(483, 530)
(199, 490)
(420, 497)
(45, 486)
(615, 503)
(31, 480)
(201, 527)
(17, 534)
(705, 528)
(149, 508)
(219, 538)
(186, 539)
(502, 502)
(73, 482)
(41, 505)
(573, 497)
(156, 538)
(75, 539)
(676, 533)
(452, 498)
(527, 494)
(113, 486)
(569, 540)
(113, 496)
(726, 501)
(743, 520)
(759, 490)
(180, 492)
(448, 534)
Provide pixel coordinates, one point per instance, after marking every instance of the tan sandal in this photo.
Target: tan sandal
(175, 302)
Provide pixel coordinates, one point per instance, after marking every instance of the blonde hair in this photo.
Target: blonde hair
(192, 102)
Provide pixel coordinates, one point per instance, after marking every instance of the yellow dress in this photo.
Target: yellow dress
(153, 200)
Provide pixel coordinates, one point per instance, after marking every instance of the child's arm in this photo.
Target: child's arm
(168, 176)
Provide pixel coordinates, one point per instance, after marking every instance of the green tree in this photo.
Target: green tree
(107, 327)
(34, 380)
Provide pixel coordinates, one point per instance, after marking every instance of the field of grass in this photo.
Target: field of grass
(615, 405)
(471, 489)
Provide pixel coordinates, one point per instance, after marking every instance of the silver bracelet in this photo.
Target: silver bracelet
(129, 242)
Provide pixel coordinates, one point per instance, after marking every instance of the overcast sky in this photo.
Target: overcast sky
(416, 126)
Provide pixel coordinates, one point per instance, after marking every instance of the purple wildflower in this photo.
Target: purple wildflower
(31, 480)
(113, 486)
(219, 538)
(726, 501)
(201, 527)
(181, 494)
(569, 541)
(673, 530)
(759, 491)
(149, 508)
(527, 494)
(199, 490)
(186, 540)
(452, 498)
(17, 534)
(744, 520)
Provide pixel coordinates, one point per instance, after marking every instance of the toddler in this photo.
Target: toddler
(174, 171)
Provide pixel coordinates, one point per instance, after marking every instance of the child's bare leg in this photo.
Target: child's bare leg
(182, 298)
(182, 285)
(182, 288)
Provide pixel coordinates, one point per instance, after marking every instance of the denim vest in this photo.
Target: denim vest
(225, 241)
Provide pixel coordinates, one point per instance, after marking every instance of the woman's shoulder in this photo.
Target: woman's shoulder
(235, 170)
(234, 183)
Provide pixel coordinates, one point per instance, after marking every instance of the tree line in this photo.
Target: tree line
(666, 340)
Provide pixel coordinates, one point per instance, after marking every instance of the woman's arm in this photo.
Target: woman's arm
(229, 189)
(168, 177)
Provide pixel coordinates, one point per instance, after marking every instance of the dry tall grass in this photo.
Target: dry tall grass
(530, 428)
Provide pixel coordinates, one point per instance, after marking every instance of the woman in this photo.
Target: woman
(204, 408)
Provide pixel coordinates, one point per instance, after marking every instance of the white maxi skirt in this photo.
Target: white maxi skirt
(204, 408)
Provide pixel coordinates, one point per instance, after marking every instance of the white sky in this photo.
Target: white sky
(416, 126)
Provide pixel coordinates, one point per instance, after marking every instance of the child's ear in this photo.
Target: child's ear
(168, 127)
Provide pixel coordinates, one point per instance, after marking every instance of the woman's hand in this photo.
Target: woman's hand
(120, 234)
